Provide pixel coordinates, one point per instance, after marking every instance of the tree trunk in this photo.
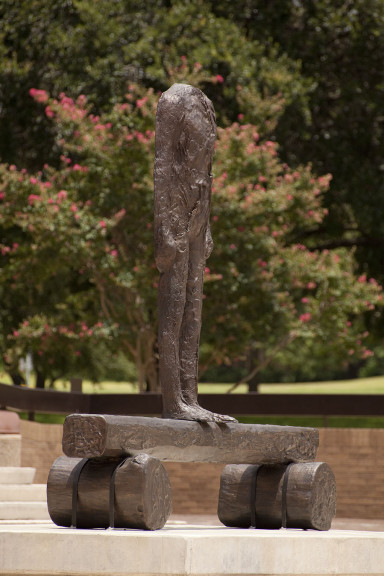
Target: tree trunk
(40, 379)
(256, 357)
(17, 379)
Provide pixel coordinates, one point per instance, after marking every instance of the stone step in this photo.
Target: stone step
(24, 511)
(16, 475)
(23, 492)
(10, 449)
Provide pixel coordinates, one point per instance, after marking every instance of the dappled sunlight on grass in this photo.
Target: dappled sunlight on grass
(374, 385)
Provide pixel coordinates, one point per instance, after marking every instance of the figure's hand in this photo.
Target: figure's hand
(208, 243)
(165, 249)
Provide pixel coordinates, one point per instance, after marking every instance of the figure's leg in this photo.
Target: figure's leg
(172, 294)
(171, 302)
(191, 326)
(190, 334)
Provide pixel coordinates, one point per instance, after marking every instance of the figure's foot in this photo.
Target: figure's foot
(192, 413)
(196, 413)
(219, 418)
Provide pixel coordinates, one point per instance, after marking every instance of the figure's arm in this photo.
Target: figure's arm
(165, 245)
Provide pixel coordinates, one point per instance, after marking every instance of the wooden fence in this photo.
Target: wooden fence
(51, 401)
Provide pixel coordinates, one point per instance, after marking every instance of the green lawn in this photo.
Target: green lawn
(374, 385)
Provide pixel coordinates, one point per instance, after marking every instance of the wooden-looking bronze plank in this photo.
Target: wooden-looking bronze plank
(94, 436)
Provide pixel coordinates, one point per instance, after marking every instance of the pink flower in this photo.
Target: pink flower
(120, 214)
(102, 224)
(81, 100)
(362, 279)
(78, 168)
(73, 207)
(33, 180)
(141, 101)
(219, 79)
(38, 95)
(311, 285)
(207, 270)
(2, 195)
(49, 112)
(367, 353)
(62, 194)
(114, 253)
(32, 198)
(305, 300)
(233, 246)
(305, 317)
(240, 117)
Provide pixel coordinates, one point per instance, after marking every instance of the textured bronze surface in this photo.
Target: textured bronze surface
(185, 140)
(142, 494)
(252, 495)
(183, 441)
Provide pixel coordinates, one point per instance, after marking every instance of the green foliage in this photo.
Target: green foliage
(69, 46)
(340, 46)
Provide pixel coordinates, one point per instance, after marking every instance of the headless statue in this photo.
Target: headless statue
(185, 140)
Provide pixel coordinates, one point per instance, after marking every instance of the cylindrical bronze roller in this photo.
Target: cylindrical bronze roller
(296, 496)
(142, 496)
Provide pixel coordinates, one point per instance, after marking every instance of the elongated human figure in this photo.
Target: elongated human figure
(185, 139)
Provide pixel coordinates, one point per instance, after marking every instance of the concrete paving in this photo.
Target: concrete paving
(337, 524)
(187, 549)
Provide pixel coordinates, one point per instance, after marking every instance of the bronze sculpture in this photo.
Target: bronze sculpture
(112, 474)
(185, 140)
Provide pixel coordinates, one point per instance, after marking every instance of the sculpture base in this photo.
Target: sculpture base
(43, 550)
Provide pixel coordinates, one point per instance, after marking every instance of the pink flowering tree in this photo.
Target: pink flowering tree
(266, 291)
(77, 243)
(77, 250)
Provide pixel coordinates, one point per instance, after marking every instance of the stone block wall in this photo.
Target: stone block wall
(355, 455)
